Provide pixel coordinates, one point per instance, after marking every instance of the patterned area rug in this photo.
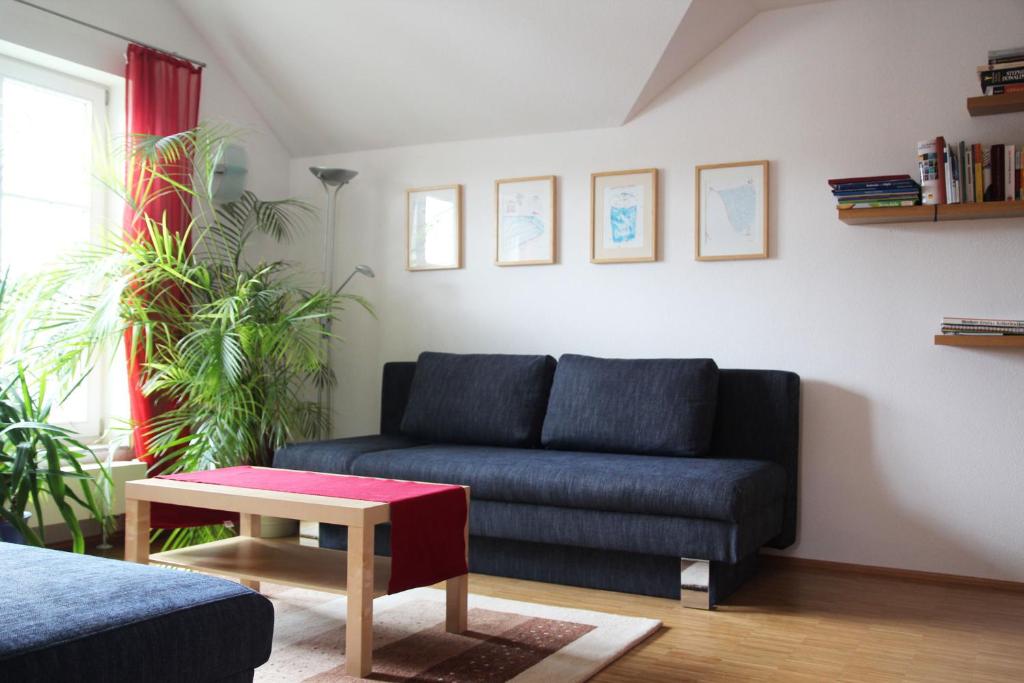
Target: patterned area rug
(506, 641)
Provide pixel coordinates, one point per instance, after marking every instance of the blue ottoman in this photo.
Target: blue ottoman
(67, 617)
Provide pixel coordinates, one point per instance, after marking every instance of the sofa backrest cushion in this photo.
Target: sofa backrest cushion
(653, 407)
(491, 399)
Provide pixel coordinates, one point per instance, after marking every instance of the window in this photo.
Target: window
(50, 201)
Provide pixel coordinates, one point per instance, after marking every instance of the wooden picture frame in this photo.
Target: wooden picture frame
(433, 214)
(525, 221)
(731, 220)
(624, 216)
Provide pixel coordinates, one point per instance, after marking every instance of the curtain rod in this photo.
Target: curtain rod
(109, 33)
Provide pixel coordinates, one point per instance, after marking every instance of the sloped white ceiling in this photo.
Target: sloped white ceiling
(342, 75)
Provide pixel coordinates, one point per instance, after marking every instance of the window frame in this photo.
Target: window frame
(101, 207)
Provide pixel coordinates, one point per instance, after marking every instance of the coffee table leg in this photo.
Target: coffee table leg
(136, 530)
(457, 590)
(359, 623)
(249, 525)
(457, 595)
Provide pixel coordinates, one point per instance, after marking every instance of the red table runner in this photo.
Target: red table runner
(428, 521)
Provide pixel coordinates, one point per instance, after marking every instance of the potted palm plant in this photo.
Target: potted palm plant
(38, 460)
(233, 346)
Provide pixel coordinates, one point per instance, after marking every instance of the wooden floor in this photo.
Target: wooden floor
(809, 624)
(798, 624)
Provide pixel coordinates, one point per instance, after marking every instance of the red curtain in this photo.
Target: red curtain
(162, 99)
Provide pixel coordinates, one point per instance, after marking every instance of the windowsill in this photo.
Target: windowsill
(115, 465)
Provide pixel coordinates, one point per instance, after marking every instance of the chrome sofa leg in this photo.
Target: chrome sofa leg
(695, 583)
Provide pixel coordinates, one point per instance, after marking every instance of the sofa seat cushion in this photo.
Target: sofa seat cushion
(335, 456)
(711, 488)
(708, 539)
(73, 617)
(646, 406)
(491, 399)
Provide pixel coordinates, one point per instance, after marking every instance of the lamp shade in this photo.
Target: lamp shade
(333, 177)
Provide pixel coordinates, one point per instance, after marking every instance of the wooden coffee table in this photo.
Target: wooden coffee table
(252, 559)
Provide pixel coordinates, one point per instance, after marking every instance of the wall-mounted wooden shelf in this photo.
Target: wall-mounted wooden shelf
(980, 341)
(986, 105)
(888, 214)
(932, 213)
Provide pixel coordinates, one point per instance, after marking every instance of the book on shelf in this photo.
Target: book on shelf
(940, 169)
(997, 186)
(949, 172)
(1001, 77)
(868, 180)
(1003, 89)
(1005, 69)
(978, 157)
(982, 326)
(967, 171)
(981, 322)
(876, 204)
(1010, 54)
(986, 173)
(1008, 331)
(1015, 64)
(876, 194)
(867, 192)
(1012, 162)
(926, 168)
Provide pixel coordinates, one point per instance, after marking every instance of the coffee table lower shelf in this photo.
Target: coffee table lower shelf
(283, 562)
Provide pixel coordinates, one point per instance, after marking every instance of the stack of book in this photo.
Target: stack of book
(987, 327)
(965, 173)
(874, 191)
(1004, 72)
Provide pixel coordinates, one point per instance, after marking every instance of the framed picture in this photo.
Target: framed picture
(732, 211)
(624, 216)
(525, 221)
(433, 228)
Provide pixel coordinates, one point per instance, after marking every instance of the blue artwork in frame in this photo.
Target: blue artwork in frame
(624, 225)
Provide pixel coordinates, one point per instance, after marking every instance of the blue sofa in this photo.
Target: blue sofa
(67, 617)
(655, 477)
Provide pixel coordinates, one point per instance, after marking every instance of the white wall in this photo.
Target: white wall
(912, 455)
(160, 23)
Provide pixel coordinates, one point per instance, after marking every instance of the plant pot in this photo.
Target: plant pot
(9, 534)
(276, 527)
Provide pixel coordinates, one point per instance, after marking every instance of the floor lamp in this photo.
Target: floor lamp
(332, 179)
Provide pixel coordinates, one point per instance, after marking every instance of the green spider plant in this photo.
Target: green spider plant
(39, 460)
(232, 349)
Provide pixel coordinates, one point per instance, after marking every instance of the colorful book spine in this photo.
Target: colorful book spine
(940, 169)
(1009, 154)
(995, 322)
(1001, 77)
(979, 176)
(1003, 89)
(887, 185)
(968, 173)
(961, 183)
(950, 176)
(986, 175)
(874, 204)
(995, 190)
(968, 329)
(926, 167)
(1010, 54)
(1017, 172)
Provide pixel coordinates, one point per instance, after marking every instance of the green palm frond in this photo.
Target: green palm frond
(235, 348)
